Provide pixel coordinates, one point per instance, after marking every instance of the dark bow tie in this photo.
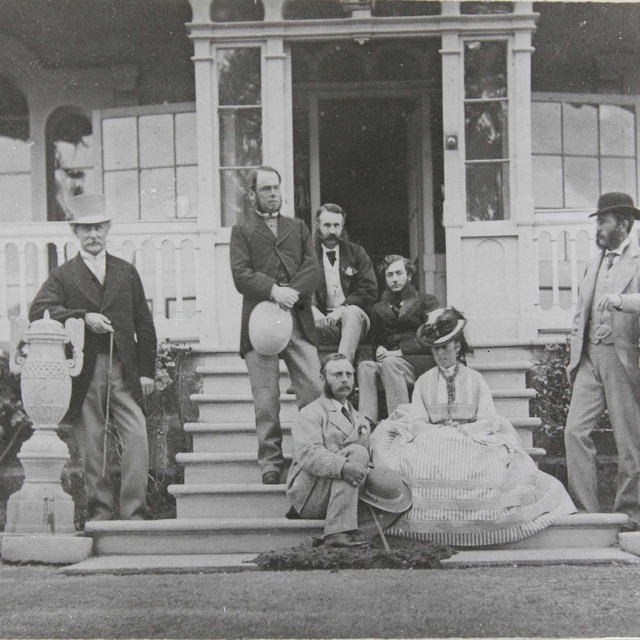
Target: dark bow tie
(331, 255)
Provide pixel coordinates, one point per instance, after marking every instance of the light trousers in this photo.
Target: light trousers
(395, 375)
(602, 383)
(301, 358)
(349, 332)
(131, 427)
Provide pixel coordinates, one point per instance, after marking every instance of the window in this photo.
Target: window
(240, 121)
(15, 154)
(149, 162)
(486, 130)
(580, 150)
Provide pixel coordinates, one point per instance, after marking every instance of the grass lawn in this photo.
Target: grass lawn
(557, 601)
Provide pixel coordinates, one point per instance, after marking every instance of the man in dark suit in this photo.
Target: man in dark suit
(400, 356)
(604, 360)
(272, 258)
(119, 357)
(348, 286)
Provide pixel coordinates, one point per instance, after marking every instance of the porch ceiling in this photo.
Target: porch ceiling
(81, 33)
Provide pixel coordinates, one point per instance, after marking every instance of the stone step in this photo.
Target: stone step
(232, 563)
(223, 468)
(216, 407)
(220, 378)
(253, 535)
(230, 500)
(240, 437)
(238, 408)
(241, 467)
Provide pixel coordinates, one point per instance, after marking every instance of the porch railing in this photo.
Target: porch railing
(165, 254)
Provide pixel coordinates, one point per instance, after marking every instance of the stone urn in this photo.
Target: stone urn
(40, 522)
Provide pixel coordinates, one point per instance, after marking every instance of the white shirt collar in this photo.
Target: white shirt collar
(267, 216)
(89, 257)
(339, 406)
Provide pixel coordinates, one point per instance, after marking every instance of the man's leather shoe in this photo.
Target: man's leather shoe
(271, 477)
(344, 540)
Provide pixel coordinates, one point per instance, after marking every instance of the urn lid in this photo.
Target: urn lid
(46, 329)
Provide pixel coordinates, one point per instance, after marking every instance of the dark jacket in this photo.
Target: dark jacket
(399, 332)
(357, 277)
(72, 291)
(256, 255)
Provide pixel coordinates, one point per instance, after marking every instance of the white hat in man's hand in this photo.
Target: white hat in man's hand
(88, 208)
(270, 328)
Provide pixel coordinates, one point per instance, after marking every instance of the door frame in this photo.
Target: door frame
(426, 262)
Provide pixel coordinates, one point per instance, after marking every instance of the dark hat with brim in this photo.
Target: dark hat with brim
(441, 327)
(384, 489)
(617, 203)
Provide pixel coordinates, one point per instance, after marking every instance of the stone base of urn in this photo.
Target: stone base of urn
(50, 549)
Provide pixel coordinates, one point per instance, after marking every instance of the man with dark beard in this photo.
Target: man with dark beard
(348, 286)
(604, 360)
(330, 456)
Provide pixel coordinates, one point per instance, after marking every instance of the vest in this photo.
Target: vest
(600, 321)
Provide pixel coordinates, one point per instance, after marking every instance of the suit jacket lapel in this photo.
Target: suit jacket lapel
(260, 227)
(336, 417)
(625, 268)
(589, 285)
(346, 261)
(115, 277)
(284, 228)
(86, 282)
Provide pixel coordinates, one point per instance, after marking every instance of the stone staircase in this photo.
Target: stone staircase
(222, 507)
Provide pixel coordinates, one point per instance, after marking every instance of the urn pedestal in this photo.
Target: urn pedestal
(40, 525)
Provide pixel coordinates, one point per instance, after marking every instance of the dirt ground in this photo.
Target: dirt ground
(560, 601)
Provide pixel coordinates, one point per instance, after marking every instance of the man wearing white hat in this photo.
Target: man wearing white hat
(119, 358)
(272, 259)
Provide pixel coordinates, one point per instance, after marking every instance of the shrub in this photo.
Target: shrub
(549, 378)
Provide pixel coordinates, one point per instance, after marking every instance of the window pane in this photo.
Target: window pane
(15, 196)
(156, 140)
(119, 143)
(618, 174)
(121, 195)
(545, 127)
(547, 182)
(488, 192)
(486, 131)
(234, 199)
(240, 137)
(581, 182)
(580, 123)
(617, 130)
(485, 69)
(186, 140)
(15, 155)
(187, 188)
(157, 194)
(238, 76)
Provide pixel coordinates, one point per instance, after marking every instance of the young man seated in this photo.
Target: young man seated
(400, 356)
(348, 286)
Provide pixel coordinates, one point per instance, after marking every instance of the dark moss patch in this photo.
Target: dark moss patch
(410, 555)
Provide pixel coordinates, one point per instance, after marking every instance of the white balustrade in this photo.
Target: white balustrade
(38, 246)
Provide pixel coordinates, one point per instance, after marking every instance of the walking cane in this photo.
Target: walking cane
(106, 411)
(380, 531)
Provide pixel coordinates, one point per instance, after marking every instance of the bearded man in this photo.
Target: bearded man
(604, 361)
(348, 286)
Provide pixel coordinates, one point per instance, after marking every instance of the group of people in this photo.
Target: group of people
(443, 465)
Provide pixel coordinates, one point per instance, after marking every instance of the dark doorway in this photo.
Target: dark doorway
(363, 168)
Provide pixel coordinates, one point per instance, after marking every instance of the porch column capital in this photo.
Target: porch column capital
(200, 11)
(273, 10)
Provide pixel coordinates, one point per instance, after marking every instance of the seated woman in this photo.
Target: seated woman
(472, 483)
